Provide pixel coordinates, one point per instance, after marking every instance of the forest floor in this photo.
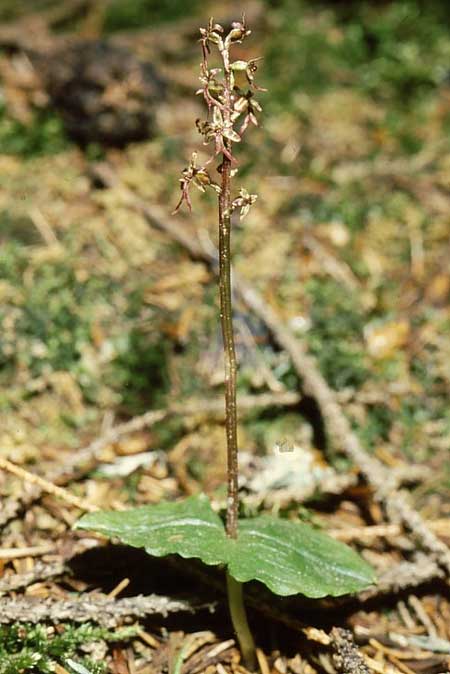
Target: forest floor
(110, 350)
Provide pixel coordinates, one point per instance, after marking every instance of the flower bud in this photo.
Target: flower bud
(237, 33)
(215, 39)
(239, 65)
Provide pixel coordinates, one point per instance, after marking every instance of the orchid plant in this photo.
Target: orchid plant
(289, 557)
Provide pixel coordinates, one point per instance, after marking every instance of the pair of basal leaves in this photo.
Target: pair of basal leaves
(288, 557)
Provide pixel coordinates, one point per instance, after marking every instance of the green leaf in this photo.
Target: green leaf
(189, 528)
(289, 557)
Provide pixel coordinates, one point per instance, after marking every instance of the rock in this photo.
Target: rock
(103, 92)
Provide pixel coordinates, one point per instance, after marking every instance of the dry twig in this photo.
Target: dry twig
(46, 486)
(405, 575)
(30, 551)
(41, 571)
(381, 531)
(102, 610)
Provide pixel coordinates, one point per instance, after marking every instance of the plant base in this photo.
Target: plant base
(240, 624)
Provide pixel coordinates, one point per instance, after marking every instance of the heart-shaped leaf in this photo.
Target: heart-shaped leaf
(189, 528)
(291, 558)
(288, 557)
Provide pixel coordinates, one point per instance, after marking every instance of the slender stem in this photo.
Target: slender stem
(234, 588)
(239, 620)
(226, 318)
(181, 655)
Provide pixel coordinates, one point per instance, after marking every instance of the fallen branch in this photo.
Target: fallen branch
(369, 533)
(41, 571)
(405, 576)
(340, 433)
(101, 610)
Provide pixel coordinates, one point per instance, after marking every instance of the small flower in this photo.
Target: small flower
(227, 103)
(238, 32)
(250, 73)
(192, 175)
(249, 68)
(244, 201)
(211, 34)
(217, 131)
(246, 103)
(212, 89)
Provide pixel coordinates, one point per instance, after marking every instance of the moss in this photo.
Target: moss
(44, 135)
(336, 337)
(137, 13)
(399, 51)
(37, 648)
(49, 326)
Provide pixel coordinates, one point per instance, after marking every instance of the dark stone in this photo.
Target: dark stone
(103, 92)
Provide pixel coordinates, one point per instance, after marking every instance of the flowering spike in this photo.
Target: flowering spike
(227, 106)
